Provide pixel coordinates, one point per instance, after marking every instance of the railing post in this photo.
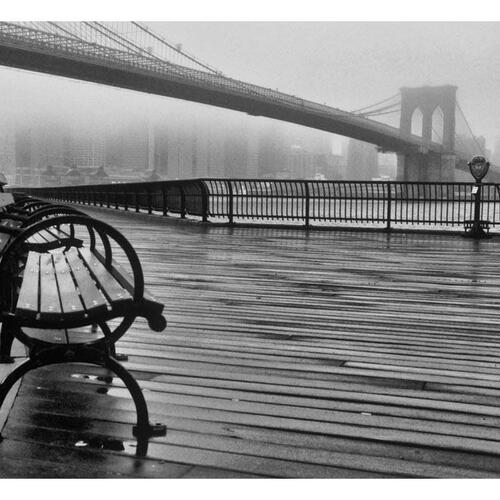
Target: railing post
(307, 203)
(150, 202)
(389, 206)
(183, 201)
(204, 201)
(164, 200)
(230, 202)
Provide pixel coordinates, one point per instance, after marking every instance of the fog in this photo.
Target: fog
(346, 65)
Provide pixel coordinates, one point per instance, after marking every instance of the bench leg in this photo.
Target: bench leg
(6, 340)
(144, 429)
(115, 355)
(13, 377)
(111, 348)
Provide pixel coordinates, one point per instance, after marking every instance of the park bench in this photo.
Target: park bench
(16, 216)
(63, 275)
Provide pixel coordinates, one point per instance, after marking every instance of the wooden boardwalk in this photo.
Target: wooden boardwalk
(288, 354)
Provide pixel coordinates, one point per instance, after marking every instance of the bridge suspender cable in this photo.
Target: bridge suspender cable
(173, 47)
(119, 39)
(383, 113)
(469, 127)
(375, 104)
(392, 108)
(60, 28)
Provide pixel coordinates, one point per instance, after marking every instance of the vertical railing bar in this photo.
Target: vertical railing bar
(306, 209)
(389, 206)
(230, 202)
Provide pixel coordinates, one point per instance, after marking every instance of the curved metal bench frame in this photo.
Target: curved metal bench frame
(96, 352)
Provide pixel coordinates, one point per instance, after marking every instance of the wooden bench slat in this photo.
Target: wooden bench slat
(28, 300)
(47, 335)
(94, 301)
(50, 305)
(36, 238)
(125, 278)
(114, 292)
(46, 235)
(83, 337)
(71, 303)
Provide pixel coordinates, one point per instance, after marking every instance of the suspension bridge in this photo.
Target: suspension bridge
(131, 55)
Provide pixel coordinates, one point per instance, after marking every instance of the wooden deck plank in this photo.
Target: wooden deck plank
(293, 354)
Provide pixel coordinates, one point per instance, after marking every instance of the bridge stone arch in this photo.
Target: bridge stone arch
(424, 165)
(417, 122)
(428, 99)
(437, 125)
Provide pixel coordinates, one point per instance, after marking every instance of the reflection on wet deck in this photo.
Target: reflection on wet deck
(288, 354)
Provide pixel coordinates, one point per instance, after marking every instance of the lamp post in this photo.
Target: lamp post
(478, 168)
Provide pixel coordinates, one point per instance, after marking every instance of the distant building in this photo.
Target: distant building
(362, 161)
(303, 164)
(171, 147)
(7, 151)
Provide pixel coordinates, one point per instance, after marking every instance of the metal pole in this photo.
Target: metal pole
(183, 201)
(230, 202)
(306, 208)
(204, 201)
(477, 231)
(389, 206)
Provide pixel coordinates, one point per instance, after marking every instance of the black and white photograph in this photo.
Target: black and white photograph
(249, 245)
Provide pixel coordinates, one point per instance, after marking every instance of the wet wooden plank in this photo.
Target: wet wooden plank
(320, 354)
(28, 301)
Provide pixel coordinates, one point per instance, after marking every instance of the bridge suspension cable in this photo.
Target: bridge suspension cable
(468, 131)
(384, 101)
(133, 36)
(392, 108)
(176, 48)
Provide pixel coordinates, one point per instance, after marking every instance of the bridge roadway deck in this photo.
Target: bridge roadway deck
(288, 354)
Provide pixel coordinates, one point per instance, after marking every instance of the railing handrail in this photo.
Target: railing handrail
(256, 179)
(383, 203)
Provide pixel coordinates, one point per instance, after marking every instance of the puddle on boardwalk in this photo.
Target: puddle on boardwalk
(107, 379)
(118, 391)
(106, 443)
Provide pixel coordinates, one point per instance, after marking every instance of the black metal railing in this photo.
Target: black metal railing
(374, 203)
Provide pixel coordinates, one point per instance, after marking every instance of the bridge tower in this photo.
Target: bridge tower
(421, 107)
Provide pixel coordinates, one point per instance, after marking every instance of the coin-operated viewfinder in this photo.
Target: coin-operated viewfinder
(478, 167)
(477, 228)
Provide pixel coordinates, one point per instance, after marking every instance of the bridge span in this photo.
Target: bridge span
(62, 54)
(287, 354)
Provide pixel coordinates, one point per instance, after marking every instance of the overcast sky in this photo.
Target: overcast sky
(344, 64)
